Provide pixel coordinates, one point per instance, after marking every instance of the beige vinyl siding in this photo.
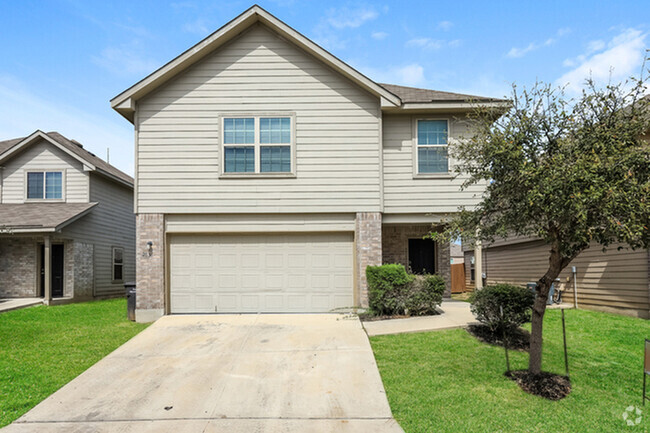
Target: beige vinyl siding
(110, 224)
(43, 156)
(405, 194)
(606, 280)
(337, 134)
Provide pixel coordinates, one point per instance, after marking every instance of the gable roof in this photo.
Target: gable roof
(124, 102)
(40, 217)
(414, 94)
(73, 148)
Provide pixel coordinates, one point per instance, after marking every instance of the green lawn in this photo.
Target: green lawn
(447, 381)
(43, 348)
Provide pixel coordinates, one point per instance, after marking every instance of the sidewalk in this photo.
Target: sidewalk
(9, 304)
(456, 314)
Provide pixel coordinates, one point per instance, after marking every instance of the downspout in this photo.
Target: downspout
(478, 264)
(575, 286)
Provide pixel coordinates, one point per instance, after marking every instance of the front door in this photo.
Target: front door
(57, 270)
(422, 256)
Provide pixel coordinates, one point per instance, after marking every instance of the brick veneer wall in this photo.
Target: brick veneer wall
(84, 270)
(395, 248)
(68, 269)
(150, 269)
(368, 238)
(18, 268)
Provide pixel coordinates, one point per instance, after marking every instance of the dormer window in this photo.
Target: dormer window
(44, 185)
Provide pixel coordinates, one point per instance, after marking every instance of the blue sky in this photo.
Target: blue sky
(62, 60)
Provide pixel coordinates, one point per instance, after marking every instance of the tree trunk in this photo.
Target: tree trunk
(556, 264)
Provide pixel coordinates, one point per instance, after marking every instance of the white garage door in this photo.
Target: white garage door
(261, 273)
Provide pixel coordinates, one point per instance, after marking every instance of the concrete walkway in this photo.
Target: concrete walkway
(234, 373)
(456, 314)
(8, 304)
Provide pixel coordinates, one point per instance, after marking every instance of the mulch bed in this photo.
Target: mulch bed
(547, 385)
(520, 340)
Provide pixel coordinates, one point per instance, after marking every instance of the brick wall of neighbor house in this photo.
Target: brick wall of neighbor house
(150, 269)
(395, 248)
(68, 269)
(368, 244)
(84, 270)
(18, 268)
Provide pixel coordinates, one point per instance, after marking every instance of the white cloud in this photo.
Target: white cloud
(407, 75)
(616, 60)
(198, 27)
(516, 52)
(379, 35)
(445, 25)
(427, 43)
(342, 18)
(125, 61)
(22, 112)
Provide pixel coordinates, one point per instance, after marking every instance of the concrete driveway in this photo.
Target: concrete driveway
(234, 373)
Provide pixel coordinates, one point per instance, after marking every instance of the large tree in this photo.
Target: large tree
(572, 172)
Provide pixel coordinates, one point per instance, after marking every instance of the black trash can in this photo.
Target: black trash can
(130, 300)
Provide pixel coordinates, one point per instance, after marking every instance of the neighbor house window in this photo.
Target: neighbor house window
(431, 147)
(118, 264)
(46, 185)
(261, 144)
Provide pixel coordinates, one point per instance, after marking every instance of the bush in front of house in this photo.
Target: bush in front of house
(393, 291)
(502, 307)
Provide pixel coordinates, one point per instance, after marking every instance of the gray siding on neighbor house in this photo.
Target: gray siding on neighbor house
(43, 156)
(337, 134)
(110, 224)
(405, 193)
(615, 279)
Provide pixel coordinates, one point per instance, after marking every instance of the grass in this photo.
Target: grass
(447, 381)
(43, 348)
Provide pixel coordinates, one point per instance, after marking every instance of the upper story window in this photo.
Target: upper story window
(432, 140)
(44, 185)
(258, 144)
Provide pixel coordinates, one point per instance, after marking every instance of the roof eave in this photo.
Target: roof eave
(75, 217)
(124, 103)
(447, 106)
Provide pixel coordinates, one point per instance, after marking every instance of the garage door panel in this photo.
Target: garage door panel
(263, 273)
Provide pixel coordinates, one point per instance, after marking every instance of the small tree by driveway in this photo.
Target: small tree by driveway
(571, 172)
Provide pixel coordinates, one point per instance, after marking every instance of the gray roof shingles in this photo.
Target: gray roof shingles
(39, 216)
(78, 150)
(414, 94)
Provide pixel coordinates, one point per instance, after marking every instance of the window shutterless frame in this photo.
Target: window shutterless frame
(44, 172)
(416, 145)
(257, 145)
(117, 262)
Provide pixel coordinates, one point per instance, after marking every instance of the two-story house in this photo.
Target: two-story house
(67, 229)
(270, 174)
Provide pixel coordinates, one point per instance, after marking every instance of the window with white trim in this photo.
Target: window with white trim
(44, 185)
(431, 146)
(118, 264)
(257, 144)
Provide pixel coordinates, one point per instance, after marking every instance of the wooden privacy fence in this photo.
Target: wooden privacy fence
(458, 278)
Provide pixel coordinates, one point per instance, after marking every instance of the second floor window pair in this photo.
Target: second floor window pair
(46, 185)
(257, 144)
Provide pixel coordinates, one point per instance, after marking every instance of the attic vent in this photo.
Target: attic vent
(77, 143)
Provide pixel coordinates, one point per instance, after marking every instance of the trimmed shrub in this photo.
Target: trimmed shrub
(393, 291)
(425, 295)
(516, 302)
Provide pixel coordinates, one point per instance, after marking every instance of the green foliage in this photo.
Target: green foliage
(569, 171)
(502, 307)
(393, 291)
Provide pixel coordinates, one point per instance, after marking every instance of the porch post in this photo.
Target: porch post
(478, 264)
(47, 267)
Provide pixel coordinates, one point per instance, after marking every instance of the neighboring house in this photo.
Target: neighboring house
(270, 174)
(67, 229)
(617, 280)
